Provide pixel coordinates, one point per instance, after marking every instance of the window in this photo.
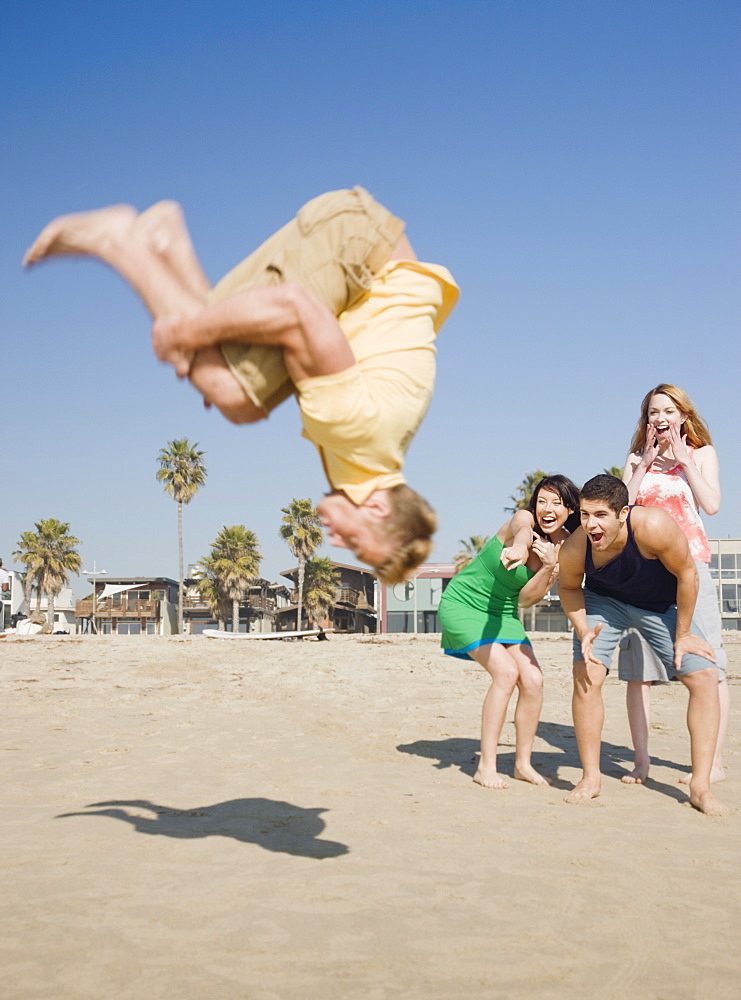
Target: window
(129, 628)
(727, 565)
(137, 595)
(399, 621)
(403, 621)
(730, 594)
(404, 591)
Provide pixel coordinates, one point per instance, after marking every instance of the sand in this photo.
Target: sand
(200, 820)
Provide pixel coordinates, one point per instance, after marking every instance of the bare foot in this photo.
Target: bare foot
(489, 779)
(81, 233)
(707, 803)
(637, 776)
(526, 772)
(718, 773)
(588, 788)
(164, 226)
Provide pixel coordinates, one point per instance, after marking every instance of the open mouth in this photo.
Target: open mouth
(662, 428)
(547, 521)
(596, 537)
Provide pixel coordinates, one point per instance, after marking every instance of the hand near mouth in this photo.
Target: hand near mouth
(547, 552)
(679, 444)
(651, 448)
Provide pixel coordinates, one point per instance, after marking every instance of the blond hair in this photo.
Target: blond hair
(693, 425)
(409, 527)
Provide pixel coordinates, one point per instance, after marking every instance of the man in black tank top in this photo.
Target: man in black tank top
(637, 573)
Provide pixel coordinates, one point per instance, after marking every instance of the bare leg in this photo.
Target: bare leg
(164, 225)
(112, 235)
(502, 669)
(589, 716)
(718, 771)
(638, 702)
(703, 718)
(154, 254)
(527, 712)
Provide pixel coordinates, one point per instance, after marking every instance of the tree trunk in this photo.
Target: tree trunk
(235, 615)
(50, 600)
(180, 568)
(301, 570)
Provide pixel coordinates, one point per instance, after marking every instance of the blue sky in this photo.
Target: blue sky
(574, 164)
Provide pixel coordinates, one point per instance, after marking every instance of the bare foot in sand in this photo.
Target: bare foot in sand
(586, 789)
(637, 776)
(526, 772)
(82, 233)
(707, 803)
(489, 778)
(717, 774)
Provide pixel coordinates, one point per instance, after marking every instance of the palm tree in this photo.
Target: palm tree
(234, 563)
(50, 556)
(321, 588)
(616, 471)
(209, 588)
(525, 490)
(302, 532)
(471, 548)
(183, 473)
(28, 554)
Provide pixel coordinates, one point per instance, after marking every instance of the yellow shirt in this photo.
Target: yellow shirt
(363, 419)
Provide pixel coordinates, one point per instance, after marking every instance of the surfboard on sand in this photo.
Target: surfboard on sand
(214, 633)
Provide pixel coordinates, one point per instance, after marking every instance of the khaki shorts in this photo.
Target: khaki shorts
(333, 247)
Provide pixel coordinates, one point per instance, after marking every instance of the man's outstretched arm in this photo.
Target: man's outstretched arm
(286, 316)
(571, 562)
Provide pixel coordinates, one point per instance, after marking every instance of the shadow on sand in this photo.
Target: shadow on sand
(275, 826)
(616, 760)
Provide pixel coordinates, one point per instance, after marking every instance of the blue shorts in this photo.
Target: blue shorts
(656, 628)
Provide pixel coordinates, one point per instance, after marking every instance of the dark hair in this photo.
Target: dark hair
(609, 490)
(569, 494)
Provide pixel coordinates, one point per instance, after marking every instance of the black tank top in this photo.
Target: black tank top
(644, 583)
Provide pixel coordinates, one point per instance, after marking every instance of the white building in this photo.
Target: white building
(64, 606)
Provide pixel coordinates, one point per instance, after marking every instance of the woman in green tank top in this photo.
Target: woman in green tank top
(479, 615)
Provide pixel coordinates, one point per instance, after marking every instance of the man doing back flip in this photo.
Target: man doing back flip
(334, 308)
(638, 573)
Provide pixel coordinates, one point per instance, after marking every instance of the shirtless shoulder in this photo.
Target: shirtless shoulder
(653, 530)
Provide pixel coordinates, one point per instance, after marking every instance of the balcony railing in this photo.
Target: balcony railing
(118, 609)
(255, 602)
(345, 595)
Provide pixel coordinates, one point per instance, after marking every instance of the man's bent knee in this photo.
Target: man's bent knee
(697, 679)
(588, 679)
(212, 377)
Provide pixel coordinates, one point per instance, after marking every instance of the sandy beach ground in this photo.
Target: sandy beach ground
(193, 819)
